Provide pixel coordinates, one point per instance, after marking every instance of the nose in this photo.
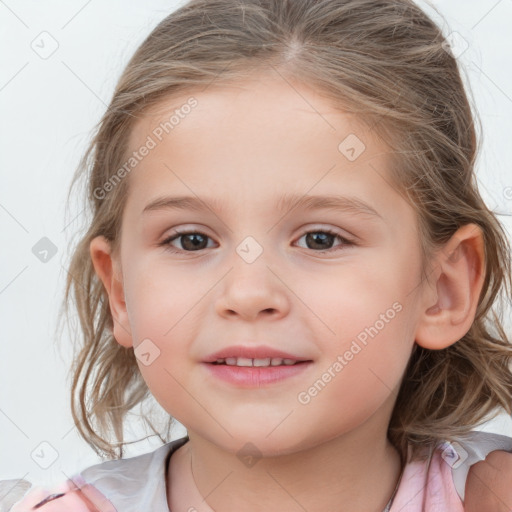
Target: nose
(253, 290)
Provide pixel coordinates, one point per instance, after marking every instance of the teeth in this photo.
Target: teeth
(243, 361)
(261, 362)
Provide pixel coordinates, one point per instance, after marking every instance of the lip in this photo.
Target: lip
(255, 376)
(252, 352)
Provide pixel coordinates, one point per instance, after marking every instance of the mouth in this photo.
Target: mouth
(255, 367)
(260, 356)
(258, 362)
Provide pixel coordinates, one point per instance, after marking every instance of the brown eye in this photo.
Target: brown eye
(323, 239)
(190, 241)
(320, 240)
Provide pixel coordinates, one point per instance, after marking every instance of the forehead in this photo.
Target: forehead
(261, 104)
(252, 138)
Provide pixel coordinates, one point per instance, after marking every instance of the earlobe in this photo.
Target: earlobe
(107, 268)
(449, 305)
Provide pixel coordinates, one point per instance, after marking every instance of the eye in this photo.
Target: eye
(322, 239)
(319, 240)
(191, 241)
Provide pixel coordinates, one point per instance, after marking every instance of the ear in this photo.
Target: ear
(107, 268)
(451, 296)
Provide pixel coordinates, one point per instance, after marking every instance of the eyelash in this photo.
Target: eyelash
(177, 234)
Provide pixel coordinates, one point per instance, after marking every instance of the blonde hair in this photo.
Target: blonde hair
(385, 61)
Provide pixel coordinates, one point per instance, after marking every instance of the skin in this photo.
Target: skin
(245, 144)
(488, 485)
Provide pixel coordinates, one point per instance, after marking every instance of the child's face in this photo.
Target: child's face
(351, 310)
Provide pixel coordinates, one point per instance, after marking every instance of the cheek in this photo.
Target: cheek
(368, 319)
(158, 296)
(361, 370)
(359, 296)
(164, 315)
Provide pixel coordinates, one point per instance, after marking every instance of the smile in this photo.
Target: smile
(244, 361)
(254, 373)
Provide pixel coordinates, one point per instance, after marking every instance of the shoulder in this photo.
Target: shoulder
(461, 455)
(140, 479)
(11, 491)
(439, 481)
(65, 496)
(134, 483)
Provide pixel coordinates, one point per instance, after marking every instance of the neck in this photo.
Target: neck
(355, 471)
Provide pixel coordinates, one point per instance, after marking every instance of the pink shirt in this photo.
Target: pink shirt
(138, 483)
(424, 489)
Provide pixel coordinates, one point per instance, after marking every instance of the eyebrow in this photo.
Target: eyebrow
(285, 203)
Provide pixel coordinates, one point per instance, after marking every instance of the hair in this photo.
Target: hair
(386, 62)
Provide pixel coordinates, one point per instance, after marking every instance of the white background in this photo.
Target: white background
(48, 109)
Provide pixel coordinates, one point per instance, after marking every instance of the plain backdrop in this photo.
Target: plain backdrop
(59, 65)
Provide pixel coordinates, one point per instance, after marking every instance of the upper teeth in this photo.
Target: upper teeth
(243, 361)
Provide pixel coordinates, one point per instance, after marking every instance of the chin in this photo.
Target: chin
(260, 444)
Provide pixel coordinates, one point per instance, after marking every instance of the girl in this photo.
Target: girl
(288, 250)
